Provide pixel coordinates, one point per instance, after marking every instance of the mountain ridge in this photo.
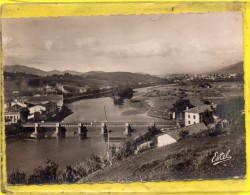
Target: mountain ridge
(36, 71)
(234, 68)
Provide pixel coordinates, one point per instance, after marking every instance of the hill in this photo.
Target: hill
(88, 78)
(188, 159)
(235, 68)
(24, 69)
(123, 78)
(35, 71)
(30, 81)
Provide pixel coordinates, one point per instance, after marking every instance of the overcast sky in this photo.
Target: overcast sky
(156, 44)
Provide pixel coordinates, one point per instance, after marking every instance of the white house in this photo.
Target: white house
(11, 117)
(194, 115)
(165, 139)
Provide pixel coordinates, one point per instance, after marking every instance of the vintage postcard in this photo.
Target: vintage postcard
(124, 98)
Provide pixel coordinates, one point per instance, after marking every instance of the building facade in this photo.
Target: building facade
(195, 115)
(12, 117)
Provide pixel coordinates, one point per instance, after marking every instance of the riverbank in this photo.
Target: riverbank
(64, 112)
(17, 130)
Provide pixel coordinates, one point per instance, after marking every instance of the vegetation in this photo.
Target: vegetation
(123, 91)
(207, 117)
(230, 109)
(186, 159)
(15, 129)
(28, 84)
(50, 172)
(183, 134)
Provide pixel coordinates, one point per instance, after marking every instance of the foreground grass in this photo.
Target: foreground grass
(188, 159)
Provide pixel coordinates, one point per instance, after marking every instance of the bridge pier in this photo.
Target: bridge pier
(104, 129)
(35, 133)
(60, 131)
(82, 131)
(128, 129)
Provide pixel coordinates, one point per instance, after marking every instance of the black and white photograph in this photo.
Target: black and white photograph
(124, 98)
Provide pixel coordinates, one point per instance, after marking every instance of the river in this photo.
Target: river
(26, 154)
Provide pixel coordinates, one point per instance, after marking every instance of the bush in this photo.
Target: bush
(46, 174)
(17, 177)
(128, 148)
(183, 134)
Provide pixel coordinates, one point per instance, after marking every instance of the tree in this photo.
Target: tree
(123, 91)
(207, 117)
(152, 130)
(230, 109)
(35, 82)
(128, 148)
(183, 134)
(46, 174)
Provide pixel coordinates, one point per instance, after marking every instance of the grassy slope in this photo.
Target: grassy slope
(189, 159)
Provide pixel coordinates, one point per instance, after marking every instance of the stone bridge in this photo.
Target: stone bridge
(82, 127)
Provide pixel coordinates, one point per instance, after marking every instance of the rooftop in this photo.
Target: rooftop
(199, 109)
(192, 129)
(42, 99)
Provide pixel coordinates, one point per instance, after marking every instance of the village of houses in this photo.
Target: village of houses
(32, 108)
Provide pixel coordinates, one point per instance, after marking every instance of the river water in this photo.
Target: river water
(26, 154)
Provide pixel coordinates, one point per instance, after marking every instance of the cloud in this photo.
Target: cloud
(152, 47)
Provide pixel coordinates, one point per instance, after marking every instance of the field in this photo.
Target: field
(158, 100)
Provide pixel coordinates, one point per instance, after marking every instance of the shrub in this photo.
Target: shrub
(17, 177)
(183, 134)
(46, 174)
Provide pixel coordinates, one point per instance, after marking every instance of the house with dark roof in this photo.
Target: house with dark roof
(43, 99)
(179, 107)
(196, 114)
(175, 135)
(12, 115)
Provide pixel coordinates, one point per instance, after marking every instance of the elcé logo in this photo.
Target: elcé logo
(221, 157)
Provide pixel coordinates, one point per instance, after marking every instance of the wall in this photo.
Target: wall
(192, 118)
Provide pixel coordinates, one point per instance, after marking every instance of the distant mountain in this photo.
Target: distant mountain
(235, 68)
(24, 69)
(91, 73)
(63, 72)
(97, 78)
(35, 71)
(111, 78)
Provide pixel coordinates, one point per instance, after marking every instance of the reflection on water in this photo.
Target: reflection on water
(93, 110)
(26, 154)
